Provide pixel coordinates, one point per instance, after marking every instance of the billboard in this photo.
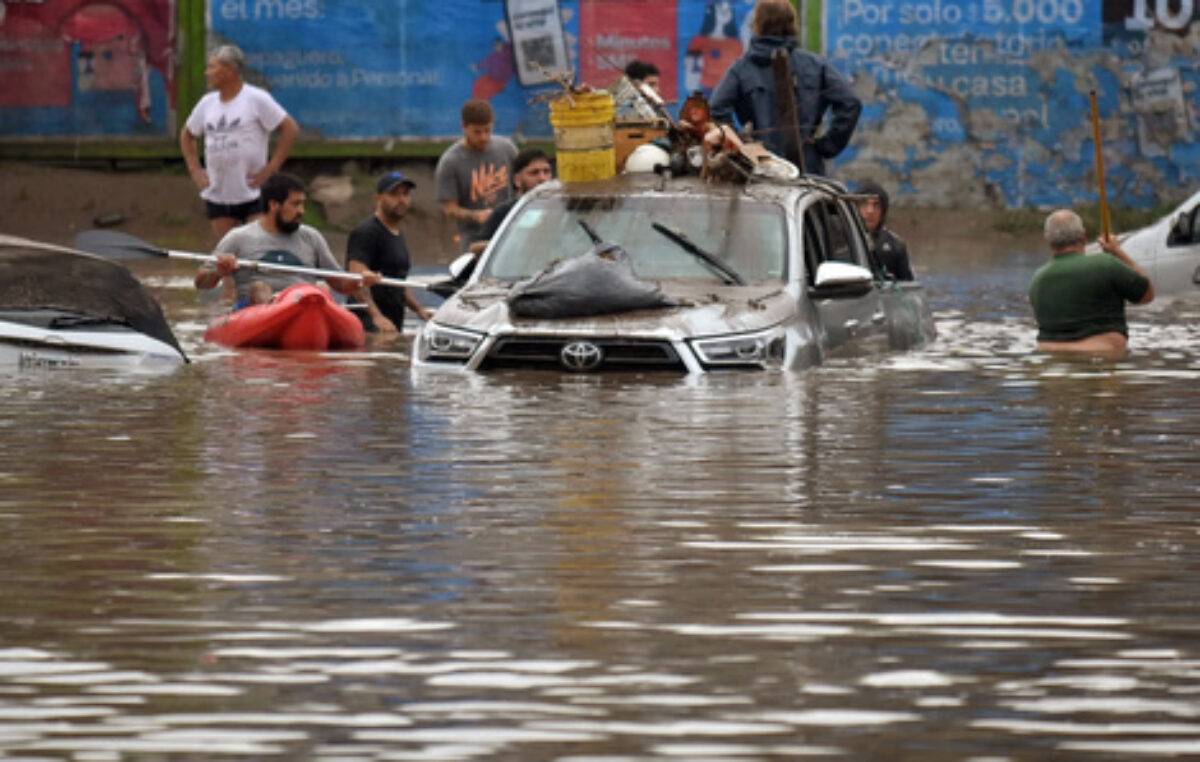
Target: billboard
(403, 68)
(86, 68)
(966, 101)
(987, 101)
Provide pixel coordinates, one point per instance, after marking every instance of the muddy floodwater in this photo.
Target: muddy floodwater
(965, 553)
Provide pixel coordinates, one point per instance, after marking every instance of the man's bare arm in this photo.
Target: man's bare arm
(457, 213)
(288, 132)
(1109, 244)
(191, 155)
(364, 293)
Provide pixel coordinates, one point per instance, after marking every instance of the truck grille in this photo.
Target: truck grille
(615, 354)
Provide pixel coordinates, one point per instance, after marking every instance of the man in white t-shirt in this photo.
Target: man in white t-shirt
(236, 120)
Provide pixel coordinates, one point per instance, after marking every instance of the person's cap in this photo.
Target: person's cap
(390, 180)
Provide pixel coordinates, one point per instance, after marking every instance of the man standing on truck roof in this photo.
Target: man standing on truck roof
(748, 91)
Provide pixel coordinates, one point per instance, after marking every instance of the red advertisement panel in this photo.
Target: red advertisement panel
(107, 64)
(35, 64)
(614, 32)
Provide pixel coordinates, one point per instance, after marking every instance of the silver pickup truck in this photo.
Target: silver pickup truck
(773, 274)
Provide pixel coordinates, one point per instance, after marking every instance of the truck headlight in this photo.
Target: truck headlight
(441, 343)
(758, 348)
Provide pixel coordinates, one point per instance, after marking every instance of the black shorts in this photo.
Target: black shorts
(240, 212)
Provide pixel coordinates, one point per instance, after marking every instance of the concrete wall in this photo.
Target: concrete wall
(971, 103)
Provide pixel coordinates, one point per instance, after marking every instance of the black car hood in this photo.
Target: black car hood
(36, 276)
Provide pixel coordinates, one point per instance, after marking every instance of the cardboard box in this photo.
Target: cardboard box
(629, 135)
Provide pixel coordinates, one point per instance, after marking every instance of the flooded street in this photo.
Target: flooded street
(964, 553)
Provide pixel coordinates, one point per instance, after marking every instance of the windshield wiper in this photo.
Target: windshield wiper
(596, 239)
(727, 273)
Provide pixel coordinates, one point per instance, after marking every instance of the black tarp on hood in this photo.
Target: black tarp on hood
(599, 282)
(38, 276)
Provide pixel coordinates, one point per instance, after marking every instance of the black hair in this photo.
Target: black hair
(639, 70)
(279, 186)
(527, 157)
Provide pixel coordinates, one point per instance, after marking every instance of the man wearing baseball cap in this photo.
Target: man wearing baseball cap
(378, 245)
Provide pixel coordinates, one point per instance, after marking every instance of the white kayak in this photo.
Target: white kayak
(54, 339)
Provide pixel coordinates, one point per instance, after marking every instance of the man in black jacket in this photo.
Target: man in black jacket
(890, 249)
(748, 92)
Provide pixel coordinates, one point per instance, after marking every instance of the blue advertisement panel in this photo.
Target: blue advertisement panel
(1003, 87)
(402, 68)
(354, 69)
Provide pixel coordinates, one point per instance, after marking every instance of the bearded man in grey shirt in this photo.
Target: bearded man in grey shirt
(278, 237)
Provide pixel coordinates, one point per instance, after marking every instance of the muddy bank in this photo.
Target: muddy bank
(160, 204)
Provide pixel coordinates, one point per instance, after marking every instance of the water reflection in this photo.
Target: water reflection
(968, 552)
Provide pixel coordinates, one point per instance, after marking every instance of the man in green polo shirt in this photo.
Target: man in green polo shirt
(1079, 299)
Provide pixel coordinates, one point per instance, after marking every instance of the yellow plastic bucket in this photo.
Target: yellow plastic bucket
(583, 136)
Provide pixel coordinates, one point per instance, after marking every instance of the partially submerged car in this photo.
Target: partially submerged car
(1169, 250)
(769, 274)
(62, 308)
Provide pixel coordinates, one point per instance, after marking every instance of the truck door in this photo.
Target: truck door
(853, 319)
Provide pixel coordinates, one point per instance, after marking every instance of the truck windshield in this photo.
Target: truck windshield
(747, 235)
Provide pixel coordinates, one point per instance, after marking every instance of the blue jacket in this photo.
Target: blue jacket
(747, 91)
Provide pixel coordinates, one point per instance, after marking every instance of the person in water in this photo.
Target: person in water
(378, 245)
(277, 237)
(890, 249)
(529, 169)
(1079, 299)
(472, 175)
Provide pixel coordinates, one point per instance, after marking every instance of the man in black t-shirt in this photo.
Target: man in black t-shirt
(378, 245)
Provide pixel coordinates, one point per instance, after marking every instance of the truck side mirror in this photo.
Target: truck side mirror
(841, 280)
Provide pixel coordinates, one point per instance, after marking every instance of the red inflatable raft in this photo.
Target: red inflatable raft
(303, 316)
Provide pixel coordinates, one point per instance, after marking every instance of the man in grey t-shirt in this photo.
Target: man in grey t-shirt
(472, 175)
(280, 238)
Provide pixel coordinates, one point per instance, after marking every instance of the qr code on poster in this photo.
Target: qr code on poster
(538, 51)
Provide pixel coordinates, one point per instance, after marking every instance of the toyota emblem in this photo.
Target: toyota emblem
(580, 356)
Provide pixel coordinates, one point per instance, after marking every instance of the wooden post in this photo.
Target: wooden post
(1105, 226)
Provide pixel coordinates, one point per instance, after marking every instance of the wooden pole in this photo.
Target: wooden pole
(1105, 226)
